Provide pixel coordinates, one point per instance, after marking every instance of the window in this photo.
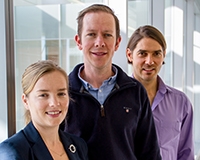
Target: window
(196, 59)
(138, 15)
(44, 30)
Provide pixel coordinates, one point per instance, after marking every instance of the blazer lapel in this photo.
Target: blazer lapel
(69, 146)
(38, 148)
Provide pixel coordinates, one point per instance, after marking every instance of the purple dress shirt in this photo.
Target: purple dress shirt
(173, 115)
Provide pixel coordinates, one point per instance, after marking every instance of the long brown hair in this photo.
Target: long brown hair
(148, 32)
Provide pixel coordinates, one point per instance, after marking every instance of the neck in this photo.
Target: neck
(48, 134)
(151, 88)
(96, 76)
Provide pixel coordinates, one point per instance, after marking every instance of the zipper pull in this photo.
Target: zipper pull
(102, 111)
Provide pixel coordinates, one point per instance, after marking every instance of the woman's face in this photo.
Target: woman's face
(48, 101)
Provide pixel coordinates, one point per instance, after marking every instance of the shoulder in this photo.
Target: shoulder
(74, 81)
(12, 147)
(8, 151)
(74, 72)
(15, 140)
(179, 99)
(171, 91)
(177, 93)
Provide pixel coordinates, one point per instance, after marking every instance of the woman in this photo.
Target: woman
(45, 97)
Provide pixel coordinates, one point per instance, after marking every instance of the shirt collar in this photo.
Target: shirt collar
(110, 80)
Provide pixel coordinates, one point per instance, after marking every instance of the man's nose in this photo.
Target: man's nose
(149, 60)
(99, 42)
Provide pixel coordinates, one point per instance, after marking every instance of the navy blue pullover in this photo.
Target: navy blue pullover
(120, 129)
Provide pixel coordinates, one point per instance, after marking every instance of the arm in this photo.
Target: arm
(186, 148)
(8, 152)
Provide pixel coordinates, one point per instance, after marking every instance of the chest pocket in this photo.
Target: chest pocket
(168, 132)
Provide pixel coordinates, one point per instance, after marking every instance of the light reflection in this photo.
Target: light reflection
(195, 89)
(178, 30)
(196, 48)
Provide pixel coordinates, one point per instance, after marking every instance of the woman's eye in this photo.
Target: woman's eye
(43, 95)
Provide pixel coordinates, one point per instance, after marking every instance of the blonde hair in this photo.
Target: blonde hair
(33, 73)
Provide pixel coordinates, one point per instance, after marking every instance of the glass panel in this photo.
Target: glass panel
(169, 55)
(138, 14)
(45, 29)
(175, 22)
(3, 82)
(196, 58)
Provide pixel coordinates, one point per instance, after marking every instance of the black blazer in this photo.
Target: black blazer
(28, 145)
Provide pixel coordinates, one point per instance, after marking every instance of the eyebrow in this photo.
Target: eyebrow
(45, 90)
(141, 50)
(93, 30)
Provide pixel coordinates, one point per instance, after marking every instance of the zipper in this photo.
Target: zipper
(102, 111)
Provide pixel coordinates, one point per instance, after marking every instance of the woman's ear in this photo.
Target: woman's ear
(25, 101)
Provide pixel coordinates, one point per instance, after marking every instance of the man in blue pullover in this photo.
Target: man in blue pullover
(109, 109)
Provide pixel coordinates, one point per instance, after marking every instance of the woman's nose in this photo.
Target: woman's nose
(54, 102)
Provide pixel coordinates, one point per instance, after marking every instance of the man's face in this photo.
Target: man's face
(98, 39)
(147, 59)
